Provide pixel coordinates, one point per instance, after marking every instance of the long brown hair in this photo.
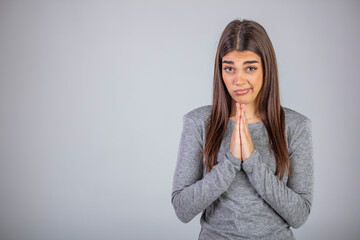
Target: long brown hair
(240, 36)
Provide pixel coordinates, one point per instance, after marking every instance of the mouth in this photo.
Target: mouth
(242, 91)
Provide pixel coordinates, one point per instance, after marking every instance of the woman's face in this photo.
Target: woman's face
(242, 70)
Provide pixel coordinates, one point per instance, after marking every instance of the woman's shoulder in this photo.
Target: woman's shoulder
(293, 116)
(199, 113)
(298, 128)
(295, 119)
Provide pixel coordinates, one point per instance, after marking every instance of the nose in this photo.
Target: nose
(240, 78)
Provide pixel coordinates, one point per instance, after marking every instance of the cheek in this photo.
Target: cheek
(256, 82)
(227, 80)
(224, 76)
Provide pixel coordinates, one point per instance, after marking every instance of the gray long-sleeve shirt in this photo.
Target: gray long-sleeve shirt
(244, 200)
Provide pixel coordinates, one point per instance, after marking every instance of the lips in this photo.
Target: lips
(242, 91)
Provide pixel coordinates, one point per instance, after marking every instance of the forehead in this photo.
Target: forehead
(241, 56)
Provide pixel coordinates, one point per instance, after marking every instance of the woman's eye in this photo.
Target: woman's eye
(228, 69)
(251, 69)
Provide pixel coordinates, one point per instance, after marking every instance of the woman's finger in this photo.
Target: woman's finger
(246, 141)
(237, 123)
(235, 144)
(246, 126)
(238, 127)
(242, 136)
(243, 118)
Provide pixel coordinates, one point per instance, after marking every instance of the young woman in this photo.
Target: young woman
(245, 162)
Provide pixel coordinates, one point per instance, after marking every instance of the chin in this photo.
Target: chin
(241, 101)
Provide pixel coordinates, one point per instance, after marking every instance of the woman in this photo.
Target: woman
(245, 161)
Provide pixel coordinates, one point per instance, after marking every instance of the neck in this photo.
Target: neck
(250, 109)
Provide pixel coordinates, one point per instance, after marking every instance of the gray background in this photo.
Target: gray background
(92, 95)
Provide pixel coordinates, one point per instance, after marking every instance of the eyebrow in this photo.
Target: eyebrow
(247, 62)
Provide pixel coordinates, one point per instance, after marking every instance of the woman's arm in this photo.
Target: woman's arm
(291, 201)
(191, 194)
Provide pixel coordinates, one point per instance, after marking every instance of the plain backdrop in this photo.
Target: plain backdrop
(92, 95)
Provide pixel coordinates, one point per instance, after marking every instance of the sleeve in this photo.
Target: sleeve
(192, 194)
(292, 201)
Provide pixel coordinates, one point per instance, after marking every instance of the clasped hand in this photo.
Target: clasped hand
(241, 145)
